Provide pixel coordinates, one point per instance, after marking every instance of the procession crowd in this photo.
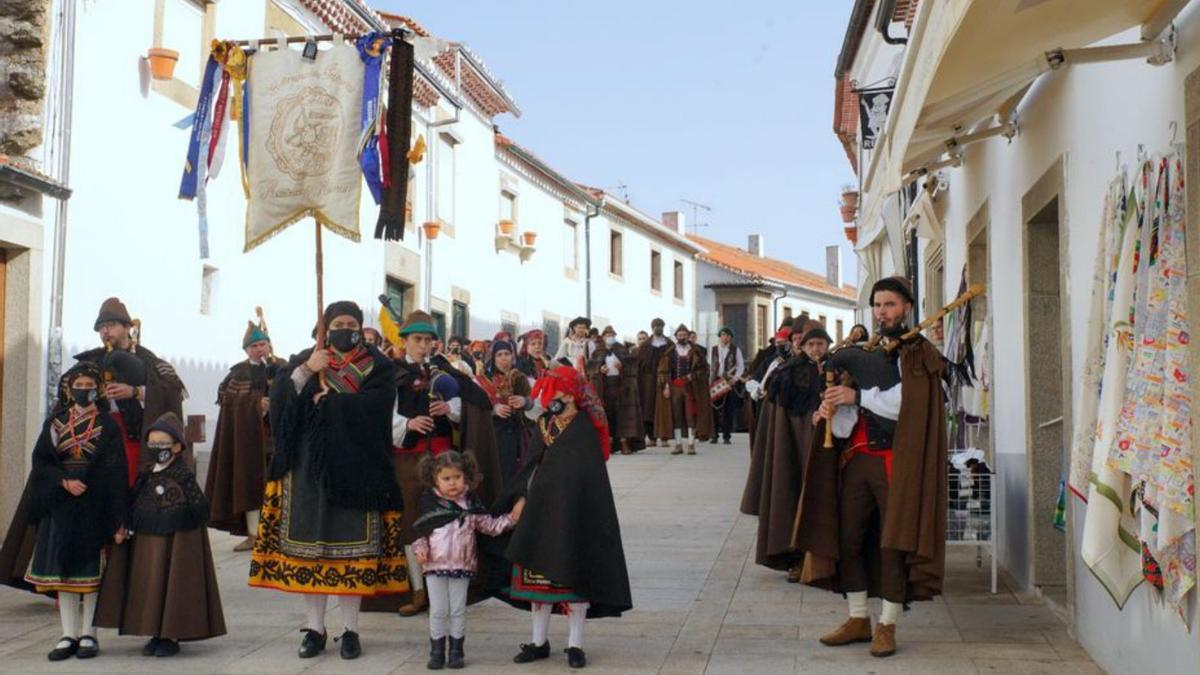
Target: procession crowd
(420, 474)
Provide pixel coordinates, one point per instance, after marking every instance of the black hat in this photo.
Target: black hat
(815, 331)
(342, 308)
(170, 424)
(112, 309)
(898, 285)
(579, 320)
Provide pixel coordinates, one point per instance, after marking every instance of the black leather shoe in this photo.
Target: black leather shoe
(728, 441)
(167, 648)
(150, 647)
(437, 654)
(456, 653)
(64, 653)
(576, 658)
(351, 649)
(531, 652)
(312, 644)
(88, 648)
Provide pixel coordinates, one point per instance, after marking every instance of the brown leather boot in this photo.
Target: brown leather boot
(418, 604)
(854, 630)
(884, 642)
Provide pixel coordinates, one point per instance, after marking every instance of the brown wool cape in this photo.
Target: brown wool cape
(241, 447)
(916, 506)
(664, 427)
(649, 390)
(629, 410)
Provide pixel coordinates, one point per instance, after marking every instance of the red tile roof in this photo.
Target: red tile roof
(740, 261)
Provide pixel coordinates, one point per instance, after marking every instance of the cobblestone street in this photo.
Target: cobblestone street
(701, 606)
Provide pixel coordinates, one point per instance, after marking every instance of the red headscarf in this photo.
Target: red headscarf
(531, 335)
(566, 380)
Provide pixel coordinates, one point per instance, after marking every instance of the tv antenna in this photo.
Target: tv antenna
(621, 188)
(697, 207)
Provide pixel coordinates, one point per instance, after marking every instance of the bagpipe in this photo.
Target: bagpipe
(124, 367)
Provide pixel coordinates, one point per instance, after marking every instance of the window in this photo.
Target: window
(760, 324)
(787, 314)
(655, 271)
(439, 323)
(509, 327)
(615, 264)
(508, 206)
(678, 280)
(570, 245)
(839, 330)
(460, 319)
(396, 290)
(445, 178)
(822, 320)
(551, 329)
(208, 280)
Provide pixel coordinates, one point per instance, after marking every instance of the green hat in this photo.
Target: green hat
(419, 322)
(253, 334)
(725, 329)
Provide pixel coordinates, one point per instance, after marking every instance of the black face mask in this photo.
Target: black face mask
(556, 407)
(84, 397)
(162, 453)
(784, 348)
(344, 339)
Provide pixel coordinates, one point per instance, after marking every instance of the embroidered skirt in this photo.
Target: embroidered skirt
(49, 573)
(530, 586)
(307, 545)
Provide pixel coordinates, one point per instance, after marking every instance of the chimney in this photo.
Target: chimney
(833, 266)
(675, 221)
(756, 246)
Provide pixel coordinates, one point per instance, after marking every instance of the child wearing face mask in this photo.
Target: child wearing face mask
(73, 506)
(450, 519)
(164, 584)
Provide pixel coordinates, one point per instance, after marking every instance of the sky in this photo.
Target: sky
(726, 104)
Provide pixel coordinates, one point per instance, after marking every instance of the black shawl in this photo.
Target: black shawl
(168, 501)
(569, 530)
(436, 512)
(349, 435)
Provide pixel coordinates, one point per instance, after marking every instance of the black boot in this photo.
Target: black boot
(166, 648)
(312, 644)
(456, 653)
(150, 646)
(351, 647)
(531, 652)
(576, 658)
(437, 654)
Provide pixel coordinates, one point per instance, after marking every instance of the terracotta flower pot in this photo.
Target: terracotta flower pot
(852, 234)
(850, 198)
(506, 227)
(848, 213)
(162, 62)
(529, 238)
(431, 228)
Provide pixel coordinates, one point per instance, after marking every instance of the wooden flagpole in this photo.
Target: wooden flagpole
(320, 289)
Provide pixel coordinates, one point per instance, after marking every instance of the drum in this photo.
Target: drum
(719, 390)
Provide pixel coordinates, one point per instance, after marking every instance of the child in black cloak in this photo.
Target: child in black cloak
(163, 583)
(566, 551)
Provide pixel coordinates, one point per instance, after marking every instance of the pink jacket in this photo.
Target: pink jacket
(451, 547)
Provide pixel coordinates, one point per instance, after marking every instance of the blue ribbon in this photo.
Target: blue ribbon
(370, 49)
(191, 169)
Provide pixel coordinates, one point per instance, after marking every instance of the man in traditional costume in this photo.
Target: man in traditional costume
(512, 407)
(613, 374)
(565, 552)
(781, 448)
(873, 511)
(727, 364)
(74, 504)
(649, 354)
(434, 400)
(241, 448)
(331, 511)
(144, 387)
(577, 347)
(532, 359)
(684, 410)
(776, 351)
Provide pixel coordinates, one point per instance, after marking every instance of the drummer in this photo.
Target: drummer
(726, 364)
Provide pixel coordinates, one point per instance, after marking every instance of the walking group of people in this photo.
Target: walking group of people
(413, 477)
(848, 464)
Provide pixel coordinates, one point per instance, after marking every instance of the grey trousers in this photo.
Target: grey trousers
(447, 606)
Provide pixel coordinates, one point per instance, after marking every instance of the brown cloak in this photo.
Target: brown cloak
(629, 409)
(781, 449)
(698, 388)
(916, 506)
(241, 448)
(649, 390)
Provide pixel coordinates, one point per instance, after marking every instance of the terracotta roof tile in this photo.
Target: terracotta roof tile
(755, 268)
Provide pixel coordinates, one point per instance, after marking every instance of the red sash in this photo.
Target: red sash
(860, 445)
(133, 449)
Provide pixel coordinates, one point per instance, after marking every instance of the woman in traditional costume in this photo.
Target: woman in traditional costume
(76, 498)
(331, 511)
(163, 582)
(508, 390)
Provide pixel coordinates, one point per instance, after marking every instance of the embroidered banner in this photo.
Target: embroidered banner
(303, 141)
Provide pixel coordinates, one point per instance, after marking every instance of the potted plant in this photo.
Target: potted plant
(529, 237)
(162, 62)
(849, 203)
(506, 227)
(431, 227)
(851, 234)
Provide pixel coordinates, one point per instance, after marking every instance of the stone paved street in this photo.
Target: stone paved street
(701, 606)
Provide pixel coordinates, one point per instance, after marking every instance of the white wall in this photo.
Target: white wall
(1083, 114)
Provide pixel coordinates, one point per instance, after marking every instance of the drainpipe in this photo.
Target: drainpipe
(61, 148)
(775, 313)
(883, 22)
(587, 252)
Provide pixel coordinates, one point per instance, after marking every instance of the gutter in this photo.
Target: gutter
(883, 22)
(854, 33)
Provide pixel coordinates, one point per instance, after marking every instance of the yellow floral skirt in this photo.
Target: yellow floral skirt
(290, 554)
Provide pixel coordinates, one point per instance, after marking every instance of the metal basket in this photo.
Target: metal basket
(971, 514)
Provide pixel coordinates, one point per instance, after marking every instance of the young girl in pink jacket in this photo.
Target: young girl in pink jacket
(450, 518)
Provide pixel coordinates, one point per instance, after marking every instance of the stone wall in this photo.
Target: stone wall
(24, 31)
